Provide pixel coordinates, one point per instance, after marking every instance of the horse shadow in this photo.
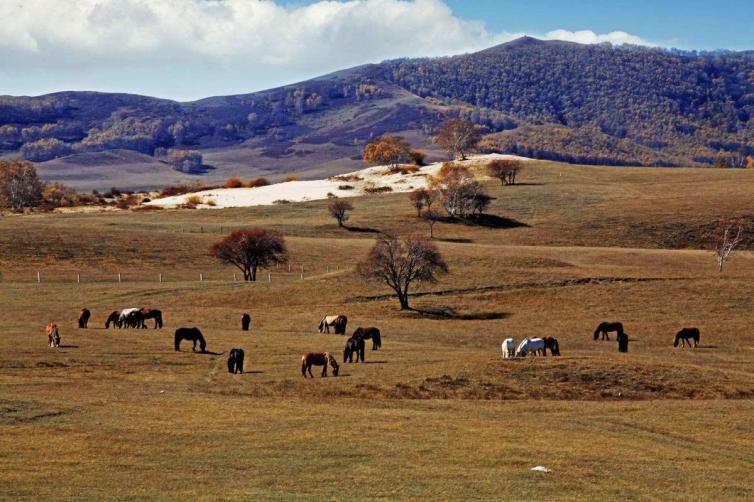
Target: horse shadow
(451, 313)
(457, 241)
(209, 353)
(69, 346)
(487, 221)
(375, 362)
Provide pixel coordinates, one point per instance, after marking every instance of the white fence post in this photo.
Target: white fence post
(160, 277)
(269, 277)
(39, 277)
(201, 277)
(120, 279)
(289, 268)
(234, 277)
(78, 278)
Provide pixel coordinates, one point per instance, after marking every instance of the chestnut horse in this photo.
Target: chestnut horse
(191, 334)
(608, 327)
(318, 359)
(369, 333)
(685, 336)
(53, 335)
(113, 318)
(151, 314)
(84, 316)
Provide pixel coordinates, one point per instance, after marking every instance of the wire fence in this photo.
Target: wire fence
(282, 274)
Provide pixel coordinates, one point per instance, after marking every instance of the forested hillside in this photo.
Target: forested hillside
(626, 103)
(554, 100)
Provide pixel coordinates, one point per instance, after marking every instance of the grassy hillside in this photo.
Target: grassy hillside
(437, 413)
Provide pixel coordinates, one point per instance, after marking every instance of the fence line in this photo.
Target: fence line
(50, 277)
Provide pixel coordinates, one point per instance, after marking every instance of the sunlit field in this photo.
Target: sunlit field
(436, 413)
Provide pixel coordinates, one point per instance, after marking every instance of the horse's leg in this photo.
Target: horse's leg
(324, 370)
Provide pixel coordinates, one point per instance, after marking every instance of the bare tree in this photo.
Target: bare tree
(422, 198)
(431, 217)
(505, 170)
(460, 194)
(401, 263)
(728, 235)
(251, 249)
(458, 137)
(19, 185)
(339, 210)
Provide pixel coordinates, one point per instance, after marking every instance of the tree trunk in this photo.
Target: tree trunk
(404, 301)
(254, 273)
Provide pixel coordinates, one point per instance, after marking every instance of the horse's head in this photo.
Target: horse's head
(333, 364)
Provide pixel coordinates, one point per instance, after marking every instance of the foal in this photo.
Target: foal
(685, 336)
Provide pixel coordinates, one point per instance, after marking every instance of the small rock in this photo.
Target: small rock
(541, 468)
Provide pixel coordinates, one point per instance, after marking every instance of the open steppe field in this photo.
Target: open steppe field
(436, 414)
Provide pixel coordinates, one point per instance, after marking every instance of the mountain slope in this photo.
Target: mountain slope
(556, 100)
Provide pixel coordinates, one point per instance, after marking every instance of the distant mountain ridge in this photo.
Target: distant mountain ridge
(545, 99)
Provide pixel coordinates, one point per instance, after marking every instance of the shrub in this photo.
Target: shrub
(194, 200)
(211, 202)
(259, 182)
(345, 187)
(290, 177)
(378, 190)
(233, 183)
(281, 201)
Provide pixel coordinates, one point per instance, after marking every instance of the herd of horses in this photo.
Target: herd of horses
(136, 318)
(539, 346)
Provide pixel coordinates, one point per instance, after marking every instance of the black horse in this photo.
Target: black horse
(367, 333)
(84, 318)
(608, 327)
(235, 361)
(245, 322)
(685, 336)
(191, 334)
(354, 345)
(135, 319)
(113, 318)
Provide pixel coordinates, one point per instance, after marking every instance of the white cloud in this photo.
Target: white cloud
(590, 37)
(255, 42)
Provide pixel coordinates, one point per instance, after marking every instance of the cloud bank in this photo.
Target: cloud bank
(261, 38)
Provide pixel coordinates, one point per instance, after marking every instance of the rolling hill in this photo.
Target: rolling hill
(553, 100)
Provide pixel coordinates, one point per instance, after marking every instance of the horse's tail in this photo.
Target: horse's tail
(177, 340)
(376, 339)
(555, 346)
(304, 360)
(158, 319)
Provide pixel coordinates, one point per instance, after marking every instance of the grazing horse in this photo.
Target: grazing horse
(318, 359)
(235, 361)
(245, 322)
(151, 314)
(535, 346)
(685, 336)
(608, 327)
(338, 322)
(114, 318)
(552, 344)
(53, 335)
(191, 334)
(354, 345)
(509, 348)
(367, 333)
(135, 319)
(126, 317)
(84, 316)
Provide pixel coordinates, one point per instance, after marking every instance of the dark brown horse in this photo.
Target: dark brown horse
(369, 333)
(245, 322)
(685, 336)
(151, 314)
(354, 345)
(318, 359)
(84, 316)
(113, 318)
(235, 361)
(552, 344)
(608, 327)
(191, 334)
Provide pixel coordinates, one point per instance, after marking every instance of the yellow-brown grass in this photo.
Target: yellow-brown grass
(436, 414)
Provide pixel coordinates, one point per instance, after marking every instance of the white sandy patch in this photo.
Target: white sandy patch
(301, 191)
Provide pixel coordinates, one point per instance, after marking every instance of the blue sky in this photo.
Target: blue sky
(188, 49)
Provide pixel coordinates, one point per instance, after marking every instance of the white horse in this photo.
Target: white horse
(509, 347)
(528, 346)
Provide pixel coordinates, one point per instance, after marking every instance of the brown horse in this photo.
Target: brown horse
(53, 335)
(113, 318)
(192, 335)
(84, 316)
(318, 359)
(552, 344)
(151, 314)
(245, 322)
(685, 336)
(369, 333)
(608, 327)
